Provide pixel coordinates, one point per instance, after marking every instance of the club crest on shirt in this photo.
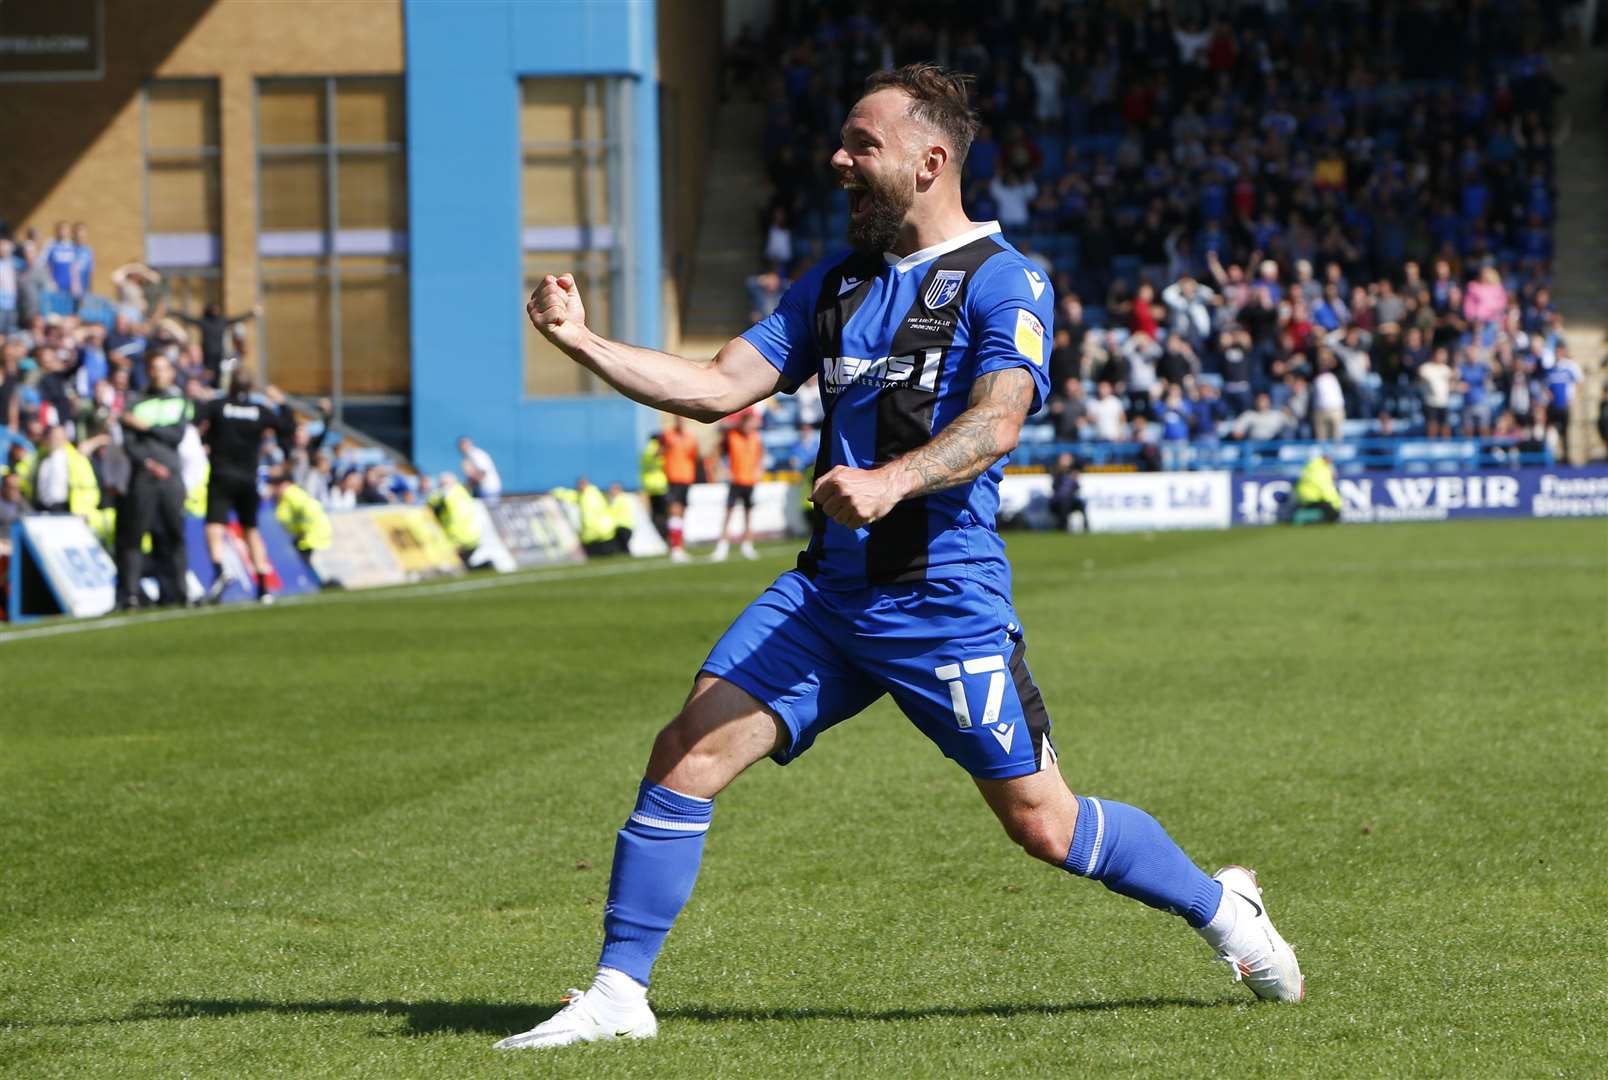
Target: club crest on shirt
(942, 289)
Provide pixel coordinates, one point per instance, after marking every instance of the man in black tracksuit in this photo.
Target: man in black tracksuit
(233, 427)
(214, 326)
(153, 426)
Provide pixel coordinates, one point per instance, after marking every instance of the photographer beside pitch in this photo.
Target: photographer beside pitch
(928, 337)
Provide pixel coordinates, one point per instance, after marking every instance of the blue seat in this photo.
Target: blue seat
(1053, 148)
(97, 309)
(56, 302)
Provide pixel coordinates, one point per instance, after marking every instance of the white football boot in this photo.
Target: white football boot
(679, 555)
(748, 550)
(582, 1020)
(1253, 950)
(722, 550)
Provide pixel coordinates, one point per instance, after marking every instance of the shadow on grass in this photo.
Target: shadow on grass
(490, 1018)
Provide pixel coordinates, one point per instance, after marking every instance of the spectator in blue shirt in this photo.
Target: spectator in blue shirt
(83, 260)
(1561, 379)
(764, 293)
(1174, 415)
(9, 273)
(802, 454)
(1209, 410)
(1330, 312)
(62, 258)
(92, 363)
(1474, 383)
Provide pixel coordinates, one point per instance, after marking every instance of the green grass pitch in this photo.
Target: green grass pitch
(368, 835)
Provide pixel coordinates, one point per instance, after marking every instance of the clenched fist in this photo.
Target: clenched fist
(857, 497)
(555, 309)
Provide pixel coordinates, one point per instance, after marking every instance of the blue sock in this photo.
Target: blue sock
(1127, 851)
(656, 859)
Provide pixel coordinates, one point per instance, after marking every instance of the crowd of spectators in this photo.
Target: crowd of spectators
(72, 362)
(1263, 220)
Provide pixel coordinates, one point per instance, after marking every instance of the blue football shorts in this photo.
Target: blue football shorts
(950, 652)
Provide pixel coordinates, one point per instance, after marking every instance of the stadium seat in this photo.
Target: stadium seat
(1054, 148)
(56, 302)
(97, 309)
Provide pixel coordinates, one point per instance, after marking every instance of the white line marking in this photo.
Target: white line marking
(427, 589)
(416, 591)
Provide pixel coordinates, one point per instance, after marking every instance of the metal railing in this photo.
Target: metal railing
(1286, 456)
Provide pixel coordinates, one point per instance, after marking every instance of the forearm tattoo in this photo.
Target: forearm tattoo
(978, 437)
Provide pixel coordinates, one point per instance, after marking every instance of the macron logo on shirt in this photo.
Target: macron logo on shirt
(1035, 282)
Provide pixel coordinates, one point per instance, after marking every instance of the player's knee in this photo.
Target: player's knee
(674, 743)
(682, 754)
(1038, 836)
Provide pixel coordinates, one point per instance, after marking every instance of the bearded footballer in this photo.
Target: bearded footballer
(928, 338)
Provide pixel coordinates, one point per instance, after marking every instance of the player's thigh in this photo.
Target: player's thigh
(720, 731)
(958, 670)
(786, 650)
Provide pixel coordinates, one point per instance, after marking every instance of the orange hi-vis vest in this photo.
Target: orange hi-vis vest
(746, 452)
(680, 456)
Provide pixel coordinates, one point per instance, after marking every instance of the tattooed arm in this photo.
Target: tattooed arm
(965, 449)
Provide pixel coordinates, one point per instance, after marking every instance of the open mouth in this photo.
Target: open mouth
(859, 198)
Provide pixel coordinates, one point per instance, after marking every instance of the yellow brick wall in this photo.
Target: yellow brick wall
(82, 141)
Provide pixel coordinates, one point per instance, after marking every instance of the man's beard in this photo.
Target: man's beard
(876, 229)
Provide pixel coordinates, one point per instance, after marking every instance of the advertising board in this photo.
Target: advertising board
(1385, 497)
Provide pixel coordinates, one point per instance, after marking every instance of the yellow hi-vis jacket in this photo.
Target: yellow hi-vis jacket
(623, 508)
(1315, 486)
(654, 482)
(597, 521)
(195, 500)
(83, 490)
(303, 518)
(455, 508)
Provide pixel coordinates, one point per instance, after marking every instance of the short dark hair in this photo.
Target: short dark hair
(939, 97)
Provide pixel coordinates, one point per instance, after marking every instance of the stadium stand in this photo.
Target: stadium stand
(70, 360)
(1346, 207)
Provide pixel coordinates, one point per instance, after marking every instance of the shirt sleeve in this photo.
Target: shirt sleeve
(1012, 308)
(786, 337)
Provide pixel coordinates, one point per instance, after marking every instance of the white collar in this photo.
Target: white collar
(987, 228)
